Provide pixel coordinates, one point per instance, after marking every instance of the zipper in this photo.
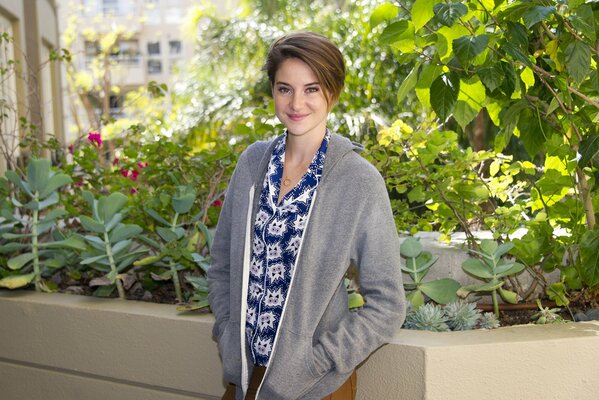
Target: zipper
(244, 291)
(299, 251)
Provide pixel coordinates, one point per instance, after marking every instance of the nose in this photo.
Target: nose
(297, 101)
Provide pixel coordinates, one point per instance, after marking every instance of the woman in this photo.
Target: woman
(300, 209)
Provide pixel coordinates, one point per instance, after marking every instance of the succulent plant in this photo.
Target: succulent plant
(488, 320)
(428, 317)
(546, 315)
(461, 315)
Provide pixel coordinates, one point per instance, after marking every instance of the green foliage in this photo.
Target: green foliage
(491, 268)
(176, 240)
(417, 265)
(546, 315)
(35, 215)
(111, 248)
(455, 316)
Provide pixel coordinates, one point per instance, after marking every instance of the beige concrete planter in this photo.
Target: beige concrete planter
(63, 347)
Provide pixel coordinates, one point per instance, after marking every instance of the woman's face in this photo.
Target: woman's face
(300, 102)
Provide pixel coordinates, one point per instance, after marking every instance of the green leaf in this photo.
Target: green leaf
(20, 261)
(184, 199)
(73, 242)
(508, 85)
(53, 215)
(467, 47)
(584, 21)
(532, 131)
(515, 269)
(92, 260)
(508, 296)
(12, 247)
(56, 182)
(166, 234)
(408, 83)
(589, 151)
(441, 291)
(448, 14)
(502, 249)
(477, 268)
(108, 206)
(207, 235)
(12, 236)
(121, 246)
(578, 60)
(393, 32)
(156, 216)
(91, 225)
(488, 246)
(38, 173)
(589, 258)
(516, 53)
(416, 298)
(355, 300)
(116, 219)
(422, 12)
(148, 260)
(444, 95)
(382, 13)
(40, 205)
(536, 14)
(491, 76)
(464, 113)
(122, 232)
(16, 180)
(557, 292)
(16, 281)
(410, 247)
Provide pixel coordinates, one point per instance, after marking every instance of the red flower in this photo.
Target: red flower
(217, 203)
(134, 190)
(115, 161)
(79, 183)
(95, 138)
(142, 165)
(134, 174)
(71, 148)
(125, 172)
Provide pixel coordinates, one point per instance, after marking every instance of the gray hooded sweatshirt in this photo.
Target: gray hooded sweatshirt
(319, 341)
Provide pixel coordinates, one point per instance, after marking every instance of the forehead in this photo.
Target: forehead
(294, 71)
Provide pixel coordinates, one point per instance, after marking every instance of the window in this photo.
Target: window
(92, 49)
(110, 7)
(126, 51)
(116, 105)
(154, 67)
(174, 47)
(153, 48)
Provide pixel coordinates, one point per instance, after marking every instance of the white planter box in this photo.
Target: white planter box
(64, 347)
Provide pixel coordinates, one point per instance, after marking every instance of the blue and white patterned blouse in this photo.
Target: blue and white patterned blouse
(278, 231)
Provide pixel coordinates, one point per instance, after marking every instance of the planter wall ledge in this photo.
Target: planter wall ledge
(65, 347)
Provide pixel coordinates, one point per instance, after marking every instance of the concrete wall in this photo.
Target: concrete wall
(67, 347)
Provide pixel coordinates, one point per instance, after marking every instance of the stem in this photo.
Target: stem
(119, 284)
(34, 247)
(586, 198)
(495, 303)
(176, 281)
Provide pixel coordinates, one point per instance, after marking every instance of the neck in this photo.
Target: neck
(301, 149)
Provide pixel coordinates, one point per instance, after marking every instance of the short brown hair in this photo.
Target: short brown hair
(321, 55)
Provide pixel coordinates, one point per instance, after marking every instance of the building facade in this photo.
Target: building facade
(30, 84)
(148, 45)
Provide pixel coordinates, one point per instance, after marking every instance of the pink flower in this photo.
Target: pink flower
(217, 203)
(142, 165)
(95, 138)
(125, 172)
(71, 148)
(134, 174)
(79, 183)
(115, 161)
(134, 190)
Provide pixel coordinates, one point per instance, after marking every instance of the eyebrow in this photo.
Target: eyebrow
(307, 84)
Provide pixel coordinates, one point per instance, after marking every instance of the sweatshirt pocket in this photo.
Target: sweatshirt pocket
(292, 370)
(228, 346)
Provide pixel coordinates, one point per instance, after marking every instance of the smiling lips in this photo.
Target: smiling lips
(297, 117)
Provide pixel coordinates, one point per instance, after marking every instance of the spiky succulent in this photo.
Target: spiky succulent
(428, 317)
(461, 315)
(488, 321)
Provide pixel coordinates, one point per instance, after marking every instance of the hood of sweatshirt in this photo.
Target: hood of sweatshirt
(338, 148)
